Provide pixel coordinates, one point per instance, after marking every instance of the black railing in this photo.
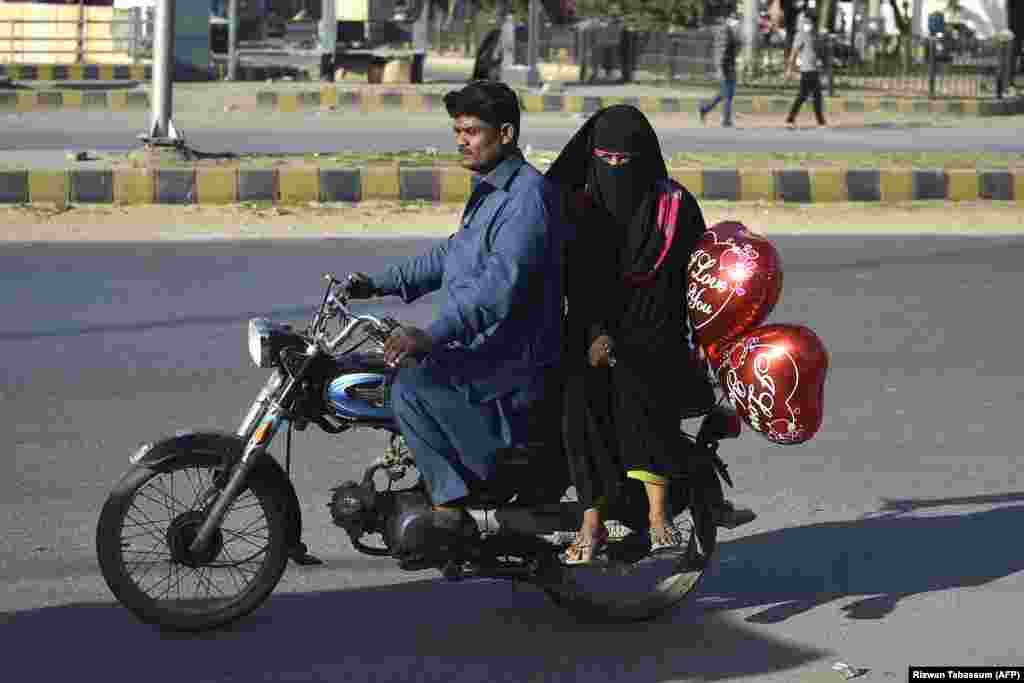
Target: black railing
(899, 66)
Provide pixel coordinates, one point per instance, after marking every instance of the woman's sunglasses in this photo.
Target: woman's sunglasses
(612, 158)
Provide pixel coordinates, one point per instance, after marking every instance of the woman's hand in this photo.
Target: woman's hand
(602, 352)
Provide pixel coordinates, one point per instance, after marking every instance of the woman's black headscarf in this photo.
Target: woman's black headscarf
(627, 192)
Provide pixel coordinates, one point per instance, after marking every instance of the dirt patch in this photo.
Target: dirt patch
(394, 219)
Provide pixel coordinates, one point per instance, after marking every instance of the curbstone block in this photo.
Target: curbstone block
(929, 184)
(794, 185)
(13, 187)
(216, 185)
(137, 100)
(94, 100)
(897, 185)
(73, 99)
(380, 182)
(340, 185)
(690, 178)
(390, 100)
(455, 184)
(298, 184)
(591, 104)
(864, 185)
(962, 184)
(828, 185)
(133, 186)
(258, 184)
(672, 105)
(721, 183)
(49, 187)
(757, 185)
(175, 186)
(419, 184)
(997, 185)
(92, 186)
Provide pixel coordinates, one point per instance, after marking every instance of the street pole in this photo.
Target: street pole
(161, 130)
(232, 40)
(533, 44)
(751, 16)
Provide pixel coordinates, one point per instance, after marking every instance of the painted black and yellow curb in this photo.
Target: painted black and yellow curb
(129, 72)
(303, 184)
(367, 100)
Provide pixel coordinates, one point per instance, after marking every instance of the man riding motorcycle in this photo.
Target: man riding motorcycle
(489, 354)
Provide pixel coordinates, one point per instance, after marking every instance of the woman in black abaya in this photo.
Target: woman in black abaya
(630, 366)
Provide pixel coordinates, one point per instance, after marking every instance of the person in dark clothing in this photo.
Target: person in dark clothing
(628, 362)
(727, 44)
(804, 52)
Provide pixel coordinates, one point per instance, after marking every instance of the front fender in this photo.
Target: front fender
(223, 449)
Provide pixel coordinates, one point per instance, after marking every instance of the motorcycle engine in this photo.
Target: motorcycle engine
(353, 508)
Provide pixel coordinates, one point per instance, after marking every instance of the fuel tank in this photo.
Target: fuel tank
(360, 389)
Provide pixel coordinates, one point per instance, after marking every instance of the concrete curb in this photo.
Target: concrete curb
(128, 72)
(367, 100)
(304, 184)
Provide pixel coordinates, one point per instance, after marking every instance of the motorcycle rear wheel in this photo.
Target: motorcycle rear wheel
(640, 588)
(149, 520)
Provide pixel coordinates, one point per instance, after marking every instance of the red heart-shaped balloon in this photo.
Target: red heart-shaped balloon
(734, 280)
(775, 378)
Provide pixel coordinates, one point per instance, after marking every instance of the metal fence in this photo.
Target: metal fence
(934, 67)
(922, 67)
(129, 33)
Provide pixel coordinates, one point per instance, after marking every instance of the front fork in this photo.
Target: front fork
(261, 423)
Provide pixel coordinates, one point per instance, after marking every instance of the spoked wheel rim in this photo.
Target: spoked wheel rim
(632, 584)
(145, 538)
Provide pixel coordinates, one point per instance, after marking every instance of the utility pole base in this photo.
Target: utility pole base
(172, 137)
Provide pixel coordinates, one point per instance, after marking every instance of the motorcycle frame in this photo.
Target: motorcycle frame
(273, 405)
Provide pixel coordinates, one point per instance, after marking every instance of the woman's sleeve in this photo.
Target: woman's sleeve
(591, 273)
(603, 284)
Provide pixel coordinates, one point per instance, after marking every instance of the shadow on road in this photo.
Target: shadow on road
(879, 560)
(419, 631)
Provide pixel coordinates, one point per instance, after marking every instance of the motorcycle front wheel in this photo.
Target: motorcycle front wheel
(147, 525)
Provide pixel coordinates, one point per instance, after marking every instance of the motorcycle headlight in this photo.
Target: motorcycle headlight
(259, 342)
(266, 339)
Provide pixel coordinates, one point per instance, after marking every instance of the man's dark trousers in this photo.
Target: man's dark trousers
(454, 441)
(810, 85)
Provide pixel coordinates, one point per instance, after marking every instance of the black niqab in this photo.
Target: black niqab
(628, 192)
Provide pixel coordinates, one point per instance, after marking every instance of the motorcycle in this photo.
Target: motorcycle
(198, 532)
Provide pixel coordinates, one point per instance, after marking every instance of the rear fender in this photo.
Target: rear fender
(223, 449)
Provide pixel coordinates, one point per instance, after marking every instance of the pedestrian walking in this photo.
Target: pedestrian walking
(726, 45)
(804, 55)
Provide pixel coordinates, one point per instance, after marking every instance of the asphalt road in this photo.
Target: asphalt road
(888, 540)
(22, 137)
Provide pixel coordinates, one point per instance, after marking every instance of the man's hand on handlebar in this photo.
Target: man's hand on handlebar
(359, 286)
(405, 342)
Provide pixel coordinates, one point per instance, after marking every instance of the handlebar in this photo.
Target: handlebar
(337, 304)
